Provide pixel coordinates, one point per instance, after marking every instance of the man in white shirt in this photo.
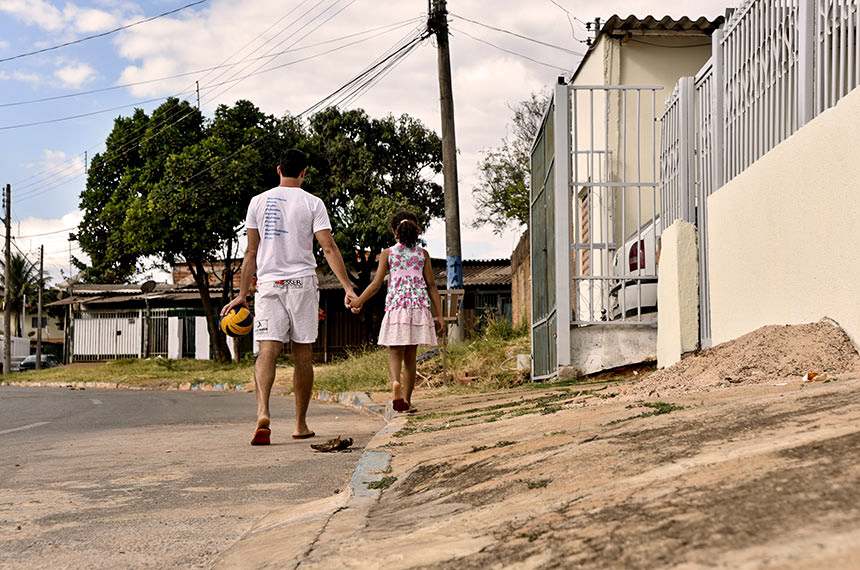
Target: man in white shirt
(282, 223)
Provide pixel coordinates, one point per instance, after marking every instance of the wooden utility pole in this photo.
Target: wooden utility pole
(39, 312)
(7, 307)
(438, 25)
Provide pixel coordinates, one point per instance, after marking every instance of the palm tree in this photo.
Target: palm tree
(23, 281)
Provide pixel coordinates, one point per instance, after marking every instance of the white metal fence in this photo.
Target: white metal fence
(775, 65)
(111, 336)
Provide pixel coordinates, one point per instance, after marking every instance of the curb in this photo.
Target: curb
(185, 386)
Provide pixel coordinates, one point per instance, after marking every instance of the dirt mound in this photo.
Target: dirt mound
(776, 353)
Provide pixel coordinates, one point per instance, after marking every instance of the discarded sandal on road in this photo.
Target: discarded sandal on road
(304, 435)
(262, 436)
(336, 444)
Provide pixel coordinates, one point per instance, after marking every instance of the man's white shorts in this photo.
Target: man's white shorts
(287, 310)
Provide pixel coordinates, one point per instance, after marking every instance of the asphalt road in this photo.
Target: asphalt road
(151, 479)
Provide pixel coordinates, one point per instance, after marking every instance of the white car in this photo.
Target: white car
(634, 291)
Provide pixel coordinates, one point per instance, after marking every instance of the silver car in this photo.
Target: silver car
(634, 291)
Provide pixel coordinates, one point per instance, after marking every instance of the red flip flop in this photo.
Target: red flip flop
(262, 436)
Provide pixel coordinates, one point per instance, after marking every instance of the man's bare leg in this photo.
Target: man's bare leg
(264, 378)
(303, 383)
(409, 371)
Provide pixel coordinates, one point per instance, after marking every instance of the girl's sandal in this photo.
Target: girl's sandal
(400, 405)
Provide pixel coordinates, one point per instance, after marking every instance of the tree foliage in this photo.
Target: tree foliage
(502, 194)
(180, 195)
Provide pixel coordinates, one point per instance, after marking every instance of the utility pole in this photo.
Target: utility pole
(438, 25)
(7, 307)
(39, 312)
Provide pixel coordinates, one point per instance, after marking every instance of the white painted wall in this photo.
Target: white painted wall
(174, 338)
(677, 293)
(785, 234)
(201, 341)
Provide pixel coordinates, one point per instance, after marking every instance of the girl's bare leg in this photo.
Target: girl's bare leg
(395, 358)
(409, 371)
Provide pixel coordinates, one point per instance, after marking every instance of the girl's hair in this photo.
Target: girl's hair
(405, 227)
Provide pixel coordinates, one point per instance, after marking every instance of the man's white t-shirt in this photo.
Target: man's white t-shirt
(287, 219)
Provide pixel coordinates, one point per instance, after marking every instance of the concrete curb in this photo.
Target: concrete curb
(185, 386)
(289, 538)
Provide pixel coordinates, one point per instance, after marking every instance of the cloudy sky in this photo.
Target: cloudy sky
(58, 102)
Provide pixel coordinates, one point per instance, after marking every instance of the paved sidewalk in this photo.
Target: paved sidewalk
(572, 476)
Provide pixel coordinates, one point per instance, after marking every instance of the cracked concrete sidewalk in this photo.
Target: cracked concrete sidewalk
(557, 476)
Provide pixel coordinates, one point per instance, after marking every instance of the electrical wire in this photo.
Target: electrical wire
(570, 51)
(570, 18)
(102, 34)
(350, 88)
(510, 52)
(133, 143)
(385, 29)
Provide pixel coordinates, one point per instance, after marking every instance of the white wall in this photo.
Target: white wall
(785, 234)
(677, 293)
(174, 337)
(201, 342)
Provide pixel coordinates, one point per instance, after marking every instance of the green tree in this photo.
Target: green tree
(182, 196)
(365, 170)
(22, 282)
(502, 194)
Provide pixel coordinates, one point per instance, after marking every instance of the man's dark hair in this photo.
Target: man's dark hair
(293, 161)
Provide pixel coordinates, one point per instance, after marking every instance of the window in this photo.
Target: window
(34, 322)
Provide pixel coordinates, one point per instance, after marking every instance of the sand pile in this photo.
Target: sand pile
(771, 354)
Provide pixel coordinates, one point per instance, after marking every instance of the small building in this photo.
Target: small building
(109, 322)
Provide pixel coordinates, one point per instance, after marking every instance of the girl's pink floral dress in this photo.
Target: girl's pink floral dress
(407, 320)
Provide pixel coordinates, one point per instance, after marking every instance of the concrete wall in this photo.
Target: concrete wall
(784, 236)
(677, 293)
(521, 303)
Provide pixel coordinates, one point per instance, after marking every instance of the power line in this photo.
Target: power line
(509, 51)
(570, 51)
(129, 144)
(43, 50)
(388, 28)
(47, 233)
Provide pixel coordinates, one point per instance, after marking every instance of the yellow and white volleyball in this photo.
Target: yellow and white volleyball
(237, 322)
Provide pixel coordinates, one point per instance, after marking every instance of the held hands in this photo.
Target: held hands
(440, 325)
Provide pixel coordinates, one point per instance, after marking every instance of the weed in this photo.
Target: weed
(504, 443)
(396, 443)
(659, 409)
(477, 448)
(538, 484)
(383, 483)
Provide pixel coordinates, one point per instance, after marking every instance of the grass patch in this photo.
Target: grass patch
(155, 373)
(383, 483)
(361, 371)
(538, 484)
(659, 408)
(477, 448)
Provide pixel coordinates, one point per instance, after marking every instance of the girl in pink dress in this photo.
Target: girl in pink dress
(408, 321)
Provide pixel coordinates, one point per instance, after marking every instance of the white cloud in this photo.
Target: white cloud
(4, 44)
(52, 160)
(32, 232)
(75, 75)
(90, 20)
(486, 79)
(34, 12)
(33, 79)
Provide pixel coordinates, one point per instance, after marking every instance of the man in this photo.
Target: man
(282, 223)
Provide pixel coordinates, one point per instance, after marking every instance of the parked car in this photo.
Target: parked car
(634, 291)
(29, 363)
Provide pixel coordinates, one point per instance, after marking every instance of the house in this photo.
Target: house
(595, 203)
(110, 322)
(760, 142)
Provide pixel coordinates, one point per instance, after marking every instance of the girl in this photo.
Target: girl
(411, 291)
